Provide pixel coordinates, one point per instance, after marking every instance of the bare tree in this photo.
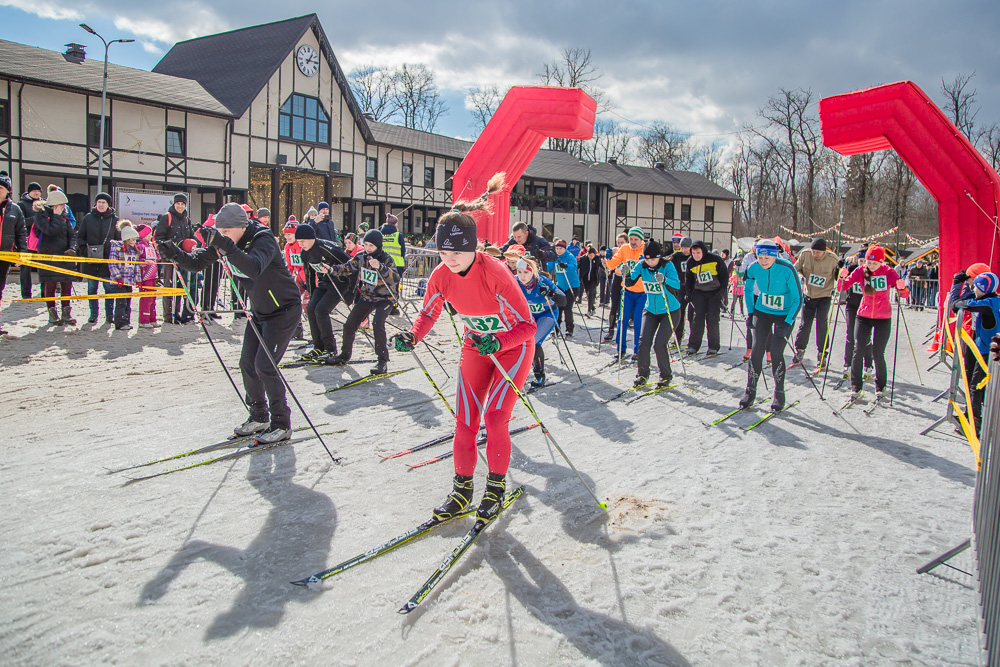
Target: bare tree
(610, 140)
(483, 103)
(712, 166)
(416, 97)
(960, 104)
(989, 144)
(575, 68)
(661, 142)
(374, 89)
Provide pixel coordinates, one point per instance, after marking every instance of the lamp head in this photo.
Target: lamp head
(88, 28)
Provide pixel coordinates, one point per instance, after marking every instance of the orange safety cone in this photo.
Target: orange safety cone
(936, 343)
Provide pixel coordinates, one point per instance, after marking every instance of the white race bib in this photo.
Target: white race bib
(652, 287)
(629, 265)
(817, 281)
(484, 323)
(295, 259)
(879, 283)
(369, 276)
(684, 266)
(857, 289)
(704, 277)
(773, 301)
(537, 307)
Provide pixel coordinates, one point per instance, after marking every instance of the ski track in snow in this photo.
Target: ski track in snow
(794, 544)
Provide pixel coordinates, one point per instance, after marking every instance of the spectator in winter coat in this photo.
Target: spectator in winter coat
(264, 217)
(28, 200)
(174, 226)
(918, 283)
(94, 236)
(394, 243)
(591, 274)
(707, 282)
(57, 237)
(147, 251)
(69, 212)
(567, 279)
(323, 225)
(13, 234)
(126, 271)
(534, 245)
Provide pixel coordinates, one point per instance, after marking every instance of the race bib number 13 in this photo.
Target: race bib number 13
(369, 276)
(484, 323)
(773, 301)
(295, 258)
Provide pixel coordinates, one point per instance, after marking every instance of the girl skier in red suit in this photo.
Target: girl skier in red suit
(497, 322)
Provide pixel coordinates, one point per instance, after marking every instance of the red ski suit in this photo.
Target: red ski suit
(488, 300)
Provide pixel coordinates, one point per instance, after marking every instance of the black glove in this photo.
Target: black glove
(168, 250)
(960, 277)
(545, 290)
(70, 252)
(215, 239)
(752, 321)
(562, 265)
(783, 330)
(404, 341)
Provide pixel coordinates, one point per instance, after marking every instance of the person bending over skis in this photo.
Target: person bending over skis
(499, 326)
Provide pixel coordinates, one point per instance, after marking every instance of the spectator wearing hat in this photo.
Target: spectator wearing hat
(564, 268)
(13, 232)
(818, 268)
(96, 232)
(918, 282)
(325, 231)
(351, 245)
(150, 258)
(591, 276)
(394, 243)
(28, 199)
(174, 226)
(264, 216)
(126, 270)
(56, 237)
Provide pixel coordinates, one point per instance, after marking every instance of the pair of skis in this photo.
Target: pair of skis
(770, 414)
(362, 380)
(654, 390)
(424, 528)
(322, 362)
(481, 440)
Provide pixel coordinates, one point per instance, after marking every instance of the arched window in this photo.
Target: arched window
(303, 119)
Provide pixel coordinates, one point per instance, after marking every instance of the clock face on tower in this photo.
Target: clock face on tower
(307, 60)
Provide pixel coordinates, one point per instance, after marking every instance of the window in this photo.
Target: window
(94, 130)
(407, 174)
(303, 119)
(621, 208)
(4, 117)
(449, 176)
(668, 210)
(685, 211)
(175, 141)
(709, 214)
(371, 168)
(428, 177)
(578, 233)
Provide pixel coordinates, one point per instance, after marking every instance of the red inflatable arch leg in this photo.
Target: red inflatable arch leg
(967, 189)
(525, 118)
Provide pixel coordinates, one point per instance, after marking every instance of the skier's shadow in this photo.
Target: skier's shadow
(294, 539)
(599, 637)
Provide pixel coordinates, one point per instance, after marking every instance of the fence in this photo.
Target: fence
(986, 520)
(419, 264)
(923, 292)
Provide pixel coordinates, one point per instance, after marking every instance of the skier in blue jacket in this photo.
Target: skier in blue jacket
(544, 301)
(568, 279)
(772, 311)
(661, 312)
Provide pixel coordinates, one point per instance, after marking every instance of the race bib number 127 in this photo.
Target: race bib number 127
(369, 276)
(484, 323)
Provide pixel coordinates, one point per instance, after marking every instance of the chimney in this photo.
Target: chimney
(660, 166)
(75, 53)
(612, 160)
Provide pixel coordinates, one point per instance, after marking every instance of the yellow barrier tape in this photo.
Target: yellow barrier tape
(970, 433)
(26, 257)
(979, 357)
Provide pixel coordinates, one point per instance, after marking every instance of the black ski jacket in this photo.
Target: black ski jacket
(326, 252)
(97, 229)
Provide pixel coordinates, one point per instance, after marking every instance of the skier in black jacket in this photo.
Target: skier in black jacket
(13, 234)
(174, 226)
(707, 282)
(93, 239)
(318, 256)
(522, 234)
(258, 266)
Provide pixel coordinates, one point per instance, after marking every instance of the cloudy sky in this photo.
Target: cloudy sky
(704, 67)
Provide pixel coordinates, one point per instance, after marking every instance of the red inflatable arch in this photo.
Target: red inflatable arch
(527, 115)
(901, 116)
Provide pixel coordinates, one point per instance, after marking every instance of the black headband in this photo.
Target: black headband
(450, 236)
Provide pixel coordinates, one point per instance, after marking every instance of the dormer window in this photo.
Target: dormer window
(303, 118)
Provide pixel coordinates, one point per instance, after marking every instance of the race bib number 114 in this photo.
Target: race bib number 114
(773, 301)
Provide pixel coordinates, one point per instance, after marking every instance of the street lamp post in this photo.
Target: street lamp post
(104, 97)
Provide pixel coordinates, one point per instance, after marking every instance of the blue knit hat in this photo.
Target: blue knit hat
(320, 206)
(987, 282)
(766, 247)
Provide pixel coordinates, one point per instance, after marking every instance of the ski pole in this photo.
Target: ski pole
(218, 356)
(600, 332)
(578, 310)
(549, 304)
(895, 352)
(395, 300)
(534, 415)
(267, 350)
(833, 334)
(912, 351)
(453, 325)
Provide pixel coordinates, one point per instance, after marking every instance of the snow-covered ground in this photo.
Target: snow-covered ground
(796, 543)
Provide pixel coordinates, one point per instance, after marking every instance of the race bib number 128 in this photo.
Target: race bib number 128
(484, 323)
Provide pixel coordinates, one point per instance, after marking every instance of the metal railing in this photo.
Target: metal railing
(419, 264)
(923, 292)
(986, 519)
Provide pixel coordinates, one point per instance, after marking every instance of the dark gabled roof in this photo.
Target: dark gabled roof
(561, 166)
(235, 66)
(50, 68)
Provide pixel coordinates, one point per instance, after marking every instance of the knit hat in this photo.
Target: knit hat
(180, 198)
(818, 244)
(263, 213)
(289, 227)
(637, 231)
(987, 282)
(144, 231)
(5, 181)
(129, 232)
(320, 206)
(305, 232)
(766, 248)
(231, 216)
(390, 219)
(686, 242)
(292, 218)
(975, 269)
(311, 212)
(676, 237)
(34, 187)
(53, 187)
(560, 243)
(374, 237)
(875, 253)
(652, 250)
(56, 197)
(352, 237)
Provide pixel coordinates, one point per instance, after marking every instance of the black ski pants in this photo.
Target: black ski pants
(263, 385)
(379, 310)
(852, 318)
(566, 313)
(876, 331)
(813, 309)
(770, 334)
(322, 302)
(656, 333)
(685, 314)
(616, 303)
(707, 307)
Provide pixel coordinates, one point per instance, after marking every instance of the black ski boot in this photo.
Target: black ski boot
(492, 502)
(778, 402)
(381, 368)
(337, 360)
(664, 383)
(640, 382)
(457, 501)
(751, 391)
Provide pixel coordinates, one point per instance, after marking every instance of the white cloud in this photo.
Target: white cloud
(150, 47)
(44, 9)
(195, 25)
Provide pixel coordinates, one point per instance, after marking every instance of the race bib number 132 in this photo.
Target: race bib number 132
(484, 323)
